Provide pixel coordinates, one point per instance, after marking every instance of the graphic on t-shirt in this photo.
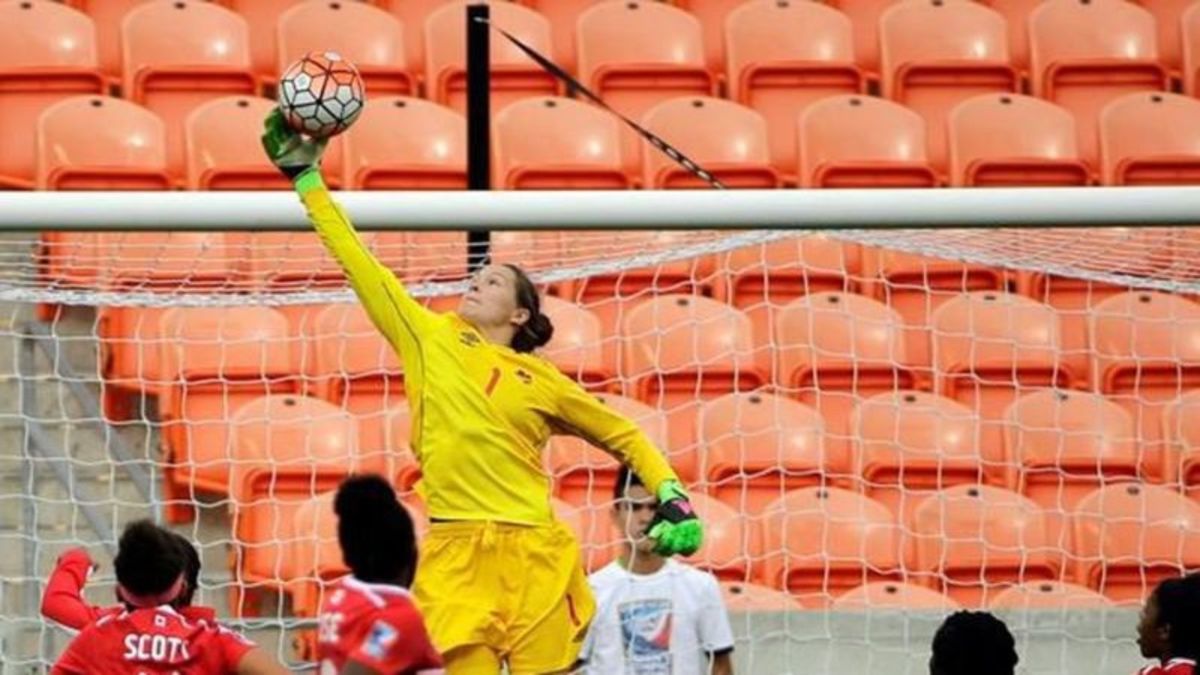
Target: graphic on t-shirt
(646, 636)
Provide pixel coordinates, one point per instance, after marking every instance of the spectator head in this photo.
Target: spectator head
(151, 566)
(973, 643)
(633, 510)
(375, 531)
(1170, 622)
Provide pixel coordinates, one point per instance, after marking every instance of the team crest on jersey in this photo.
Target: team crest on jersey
(524, 376)
(381, 637)
(468, 338)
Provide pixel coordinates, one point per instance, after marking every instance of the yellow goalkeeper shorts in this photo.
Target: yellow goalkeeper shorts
(519, 590)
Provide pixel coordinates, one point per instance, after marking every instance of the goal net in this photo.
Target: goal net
(876, 426)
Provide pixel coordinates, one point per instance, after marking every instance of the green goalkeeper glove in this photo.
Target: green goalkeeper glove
(675, 528)
(295, 154)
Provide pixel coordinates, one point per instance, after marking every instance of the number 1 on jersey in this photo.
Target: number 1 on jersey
(492, 381)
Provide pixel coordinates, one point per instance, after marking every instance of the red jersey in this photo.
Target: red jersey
(376, 625)
(150, 641)
(1171, 667)
(63, 600)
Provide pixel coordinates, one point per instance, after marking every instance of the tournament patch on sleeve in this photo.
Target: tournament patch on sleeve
(382, 636)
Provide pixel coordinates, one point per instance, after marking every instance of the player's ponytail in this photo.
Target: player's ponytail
(538, 330)
(375, 531)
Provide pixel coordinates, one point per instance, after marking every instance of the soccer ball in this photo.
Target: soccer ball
(321, 94)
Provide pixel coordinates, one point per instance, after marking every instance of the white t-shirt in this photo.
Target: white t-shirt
(664, 623)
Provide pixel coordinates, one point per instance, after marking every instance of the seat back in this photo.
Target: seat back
(1181, 439)
(739, 597)
(865, 17)
(935, 55)
(1150, 139)
(712, 15)
(1190, 24)
(412, 15)
(1016, 13)
(576, 347)
(406, 143)
(999, 140)
(738, 156)
(860, 141)
(1167, 16)
(557, 143)
(1085, 54)
(728, 545)
(895, 595)
(262, 20)
(563, 16)
(367, 36)
(221, 143)
(1048, 595)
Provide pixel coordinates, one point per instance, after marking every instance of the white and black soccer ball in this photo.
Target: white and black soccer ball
(321, 94)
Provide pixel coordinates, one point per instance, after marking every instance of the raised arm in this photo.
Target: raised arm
(63, 602)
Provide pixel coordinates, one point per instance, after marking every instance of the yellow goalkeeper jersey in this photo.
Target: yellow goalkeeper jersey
(481, 412)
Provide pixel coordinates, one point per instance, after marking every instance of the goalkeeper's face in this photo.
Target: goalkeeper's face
(491, 299)
(633, 515)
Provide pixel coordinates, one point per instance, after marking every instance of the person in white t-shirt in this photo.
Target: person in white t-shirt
(655, 615)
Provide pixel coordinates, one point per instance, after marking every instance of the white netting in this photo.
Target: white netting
(871, 436)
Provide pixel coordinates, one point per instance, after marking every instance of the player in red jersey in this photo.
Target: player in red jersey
(368, 623)
(149, 636)
(63, 601)
(1170, 627)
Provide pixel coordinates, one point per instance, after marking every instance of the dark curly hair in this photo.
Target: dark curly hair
(973, 643)
(149, 559)
(1179, 609)
(375, 531)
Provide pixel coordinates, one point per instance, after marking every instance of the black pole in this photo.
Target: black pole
(479, 127)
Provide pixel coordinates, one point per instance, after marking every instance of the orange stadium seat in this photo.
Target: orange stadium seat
(369, 37)
(599, 541)
(635, 54)
(1150, 139)
(213, 361)
(221, 140)
(1016, 13)
(513, 74)
(1130, 536)
(1046, 595)
(284, 449)
(728, 540)
(738, 156)
(742, 598)
(351, 365)
(1066, 444)
(782, 57)
(893, 595)
(999, 140)
(1146, 353)
(577, 347)
(563, 16)
(864, 16)
(557, 143)
(1190, 25)
(909, 444)
(819, 542)
(989, 348)
(862, 142)
(262, 20)
(712, 15)
(413, 14)
(1168, 17)
(973, 541)
(680, 350)
(834, 349)
(1181, 438)
(935, 55)
(1085, 54)
(177, 55)
(49, 54)
(755, 447)
(584, 475)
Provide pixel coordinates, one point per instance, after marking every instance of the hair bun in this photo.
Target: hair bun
(540, 329)
(364, 497)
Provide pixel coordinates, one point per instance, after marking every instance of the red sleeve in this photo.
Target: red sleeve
(63, 600)
(396, 642)
(233, 646)
(76, 660)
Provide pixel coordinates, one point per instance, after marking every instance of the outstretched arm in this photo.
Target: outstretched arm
(63, 600)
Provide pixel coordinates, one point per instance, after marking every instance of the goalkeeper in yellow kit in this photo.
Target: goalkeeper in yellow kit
(500, 580)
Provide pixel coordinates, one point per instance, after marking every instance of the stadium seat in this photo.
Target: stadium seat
(413, 14)
(893, 595)
(729, 542)
(1065, 444)
(833, 350)
(742, 598)
(864, 17)
(862, 142)
(49, 54)
(221, 140)
(935, 55)
(1181, 439)
(782, 57)
(1001, 140)
(738, 156)
(1130, 536)
(585, 475)
(1048, 595)
(712, 15)
(513, 74)
(989, 348)
(262, 20)
(369, 37)
(178, 55)
(909, 444)
(1150, 139)
(1016, 13)
(635, 54)
(973, 541)
(577, 347)
(1085, 54)
(284, 449)
(349, 364)
(107, 16)
(1190, 25)
(404, 143)
(819, 542)
(557, 143)
(213, 361)
(563, 16)
(594, 528)
(680, 350)
(755, 447)
(1168, 17)
(1145, 355)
